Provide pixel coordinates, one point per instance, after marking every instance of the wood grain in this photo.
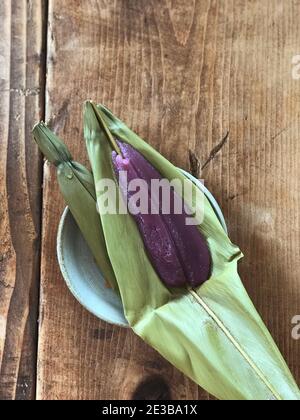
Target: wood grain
(181, 74)
(21, 104)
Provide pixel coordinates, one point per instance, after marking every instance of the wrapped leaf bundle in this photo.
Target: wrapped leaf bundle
(78, 189)
(210, 329)
(212, 333)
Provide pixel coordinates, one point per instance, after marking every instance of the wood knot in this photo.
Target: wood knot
(152, 388)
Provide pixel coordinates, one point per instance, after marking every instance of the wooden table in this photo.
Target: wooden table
(181, 74)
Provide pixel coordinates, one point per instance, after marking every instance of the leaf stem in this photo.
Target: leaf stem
(235, 343)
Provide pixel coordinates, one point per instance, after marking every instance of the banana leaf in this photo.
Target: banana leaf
(78, 189)
(212, 333)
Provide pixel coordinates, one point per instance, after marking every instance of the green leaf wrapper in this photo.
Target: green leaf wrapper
(213, 333)
(78, 189)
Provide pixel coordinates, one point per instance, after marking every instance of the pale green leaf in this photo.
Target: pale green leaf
(78, 189)
(212, 334)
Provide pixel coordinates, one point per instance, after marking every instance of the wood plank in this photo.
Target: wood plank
(181, 74)
(21, 103)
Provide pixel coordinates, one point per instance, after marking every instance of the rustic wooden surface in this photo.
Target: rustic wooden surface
(181, 74)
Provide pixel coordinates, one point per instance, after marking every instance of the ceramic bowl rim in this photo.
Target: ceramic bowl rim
(66, 276)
